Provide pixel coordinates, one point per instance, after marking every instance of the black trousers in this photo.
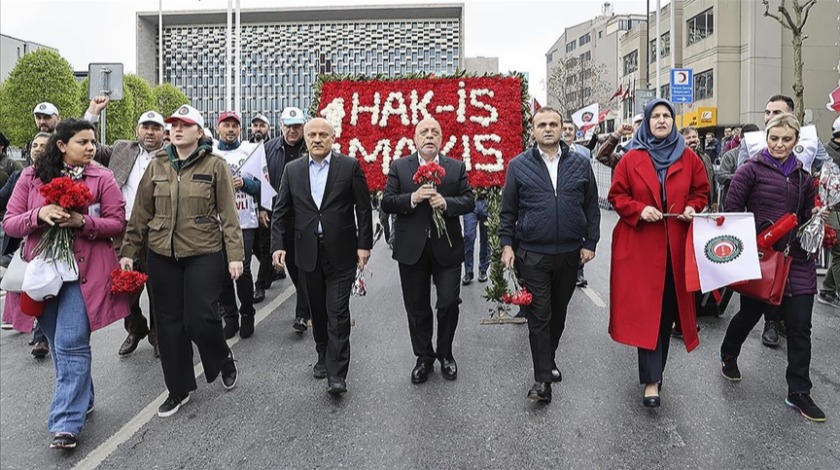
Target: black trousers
(187, 310)
(262, 250)
(301, 301)
(135, 322)
(415, 280)
(329, 290)
(796, 311)
(244, 285)
(551, 280)
(652, 362)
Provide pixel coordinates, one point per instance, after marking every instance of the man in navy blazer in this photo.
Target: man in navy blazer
(327, 196)
(422, 253)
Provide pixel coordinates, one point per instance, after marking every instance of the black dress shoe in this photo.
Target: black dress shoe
(319, 371)
(231, 327)
(482, 276)
(299, 324)
(336, 386)
(651, 402)
(449, 369)
(129, 345)
(467, 280)
(541, 391)
(420, 373)
(259, 295)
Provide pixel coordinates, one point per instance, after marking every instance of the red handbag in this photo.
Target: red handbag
(775, 266)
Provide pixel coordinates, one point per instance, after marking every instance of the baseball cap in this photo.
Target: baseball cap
(42, 280)
(150, 116)
(291, 116)
(187, 114)
(45, 108)
(31, 307)
(638, 118)
(229, 115)
(261, 117)
(835, 128)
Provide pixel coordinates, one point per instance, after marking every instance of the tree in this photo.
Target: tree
(800, 13)
(576, 83)
(41, 75)
(141, 92)
(169, 98)
(120, 116)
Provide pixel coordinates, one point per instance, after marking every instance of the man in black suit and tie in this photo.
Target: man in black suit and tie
(326, 194)
(422, 253)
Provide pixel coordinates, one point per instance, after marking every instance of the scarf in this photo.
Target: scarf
(663, 152)
(73, 171)
(787, 166)
(225, 146)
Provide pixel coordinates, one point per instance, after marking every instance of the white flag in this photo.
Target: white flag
(256, 167)
(727, 252)
(586, 117)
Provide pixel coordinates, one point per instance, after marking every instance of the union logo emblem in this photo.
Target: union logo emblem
(723, 249)
(183, 110)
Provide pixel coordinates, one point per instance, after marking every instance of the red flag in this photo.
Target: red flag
(626, 94)
(601, 116)
(834, 100)
(618, 92)
(535, 105)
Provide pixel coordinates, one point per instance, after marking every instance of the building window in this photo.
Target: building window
(700, 27)
(704, 85)
(571, 46)
(664, 51)
(665, 92)
(626, 25)
(585, 56)
(631, 62)
(585, 39)
(600, 34)
(549, 57)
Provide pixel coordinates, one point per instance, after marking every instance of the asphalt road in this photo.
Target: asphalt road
(280, 417)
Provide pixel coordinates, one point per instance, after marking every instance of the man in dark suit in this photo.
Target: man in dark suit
(326, 195)
(422, 253)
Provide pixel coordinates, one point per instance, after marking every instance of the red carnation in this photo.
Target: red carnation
(67, 193)
(830, 238)
(520, 295)
(127, 282)
(432, 173)
(719, 220)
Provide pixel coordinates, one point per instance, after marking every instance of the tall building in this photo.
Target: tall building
(12, 49)
(739, 57)
(284, 50)
(596, 40)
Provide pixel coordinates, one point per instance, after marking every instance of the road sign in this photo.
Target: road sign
(105, 79)
(682, 85)
(643, 97)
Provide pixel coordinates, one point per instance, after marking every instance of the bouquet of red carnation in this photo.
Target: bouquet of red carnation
(124, 281)
(432, 173)
(520, 295)
(830, 238)
(57, 242)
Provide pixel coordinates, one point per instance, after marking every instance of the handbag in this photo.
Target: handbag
(775, 266)
(13, 279)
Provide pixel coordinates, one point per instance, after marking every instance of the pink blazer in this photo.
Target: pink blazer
(92, 246)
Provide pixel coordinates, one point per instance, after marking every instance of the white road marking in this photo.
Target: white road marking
(596, 299)
(98, 455)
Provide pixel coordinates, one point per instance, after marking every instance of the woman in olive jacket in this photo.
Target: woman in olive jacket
(185, 208)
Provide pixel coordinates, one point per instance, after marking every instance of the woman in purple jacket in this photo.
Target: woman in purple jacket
(770, 185)
(85, 305)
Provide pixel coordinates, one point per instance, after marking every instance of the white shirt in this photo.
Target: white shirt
(246, 206)
(129, 189)
(552, 164)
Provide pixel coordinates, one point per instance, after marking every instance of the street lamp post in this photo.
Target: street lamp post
(160, 42)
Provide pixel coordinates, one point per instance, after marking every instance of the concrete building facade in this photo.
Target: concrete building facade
(284, 50)
(740, 58)
(12, 49)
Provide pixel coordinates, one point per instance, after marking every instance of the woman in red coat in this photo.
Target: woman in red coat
(658, 176)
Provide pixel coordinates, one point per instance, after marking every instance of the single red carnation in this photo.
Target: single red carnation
(127, 282)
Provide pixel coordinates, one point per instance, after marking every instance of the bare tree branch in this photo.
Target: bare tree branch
(807, 9)
(791, 24)
(767, 13)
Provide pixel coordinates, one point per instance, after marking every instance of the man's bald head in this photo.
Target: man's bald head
(320, 136)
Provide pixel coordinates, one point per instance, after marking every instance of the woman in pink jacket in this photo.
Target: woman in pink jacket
(85, 305)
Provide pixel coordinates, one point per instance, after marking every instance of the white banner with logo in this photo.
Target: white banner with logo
(725, 249)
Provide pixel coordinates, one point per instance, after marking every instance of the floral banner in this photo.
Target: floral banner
(482, 119)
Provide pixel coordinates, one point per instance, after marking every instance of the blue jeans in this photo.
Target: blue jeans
(478, 217)
(65, 322)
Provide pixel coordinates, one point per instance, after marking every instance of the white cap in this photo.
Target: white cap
(151, 116)
(45, 108)
(187, 114)
(41, 280)
(261, 117)
(292, 116)
(835, 128)
(638, 118)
